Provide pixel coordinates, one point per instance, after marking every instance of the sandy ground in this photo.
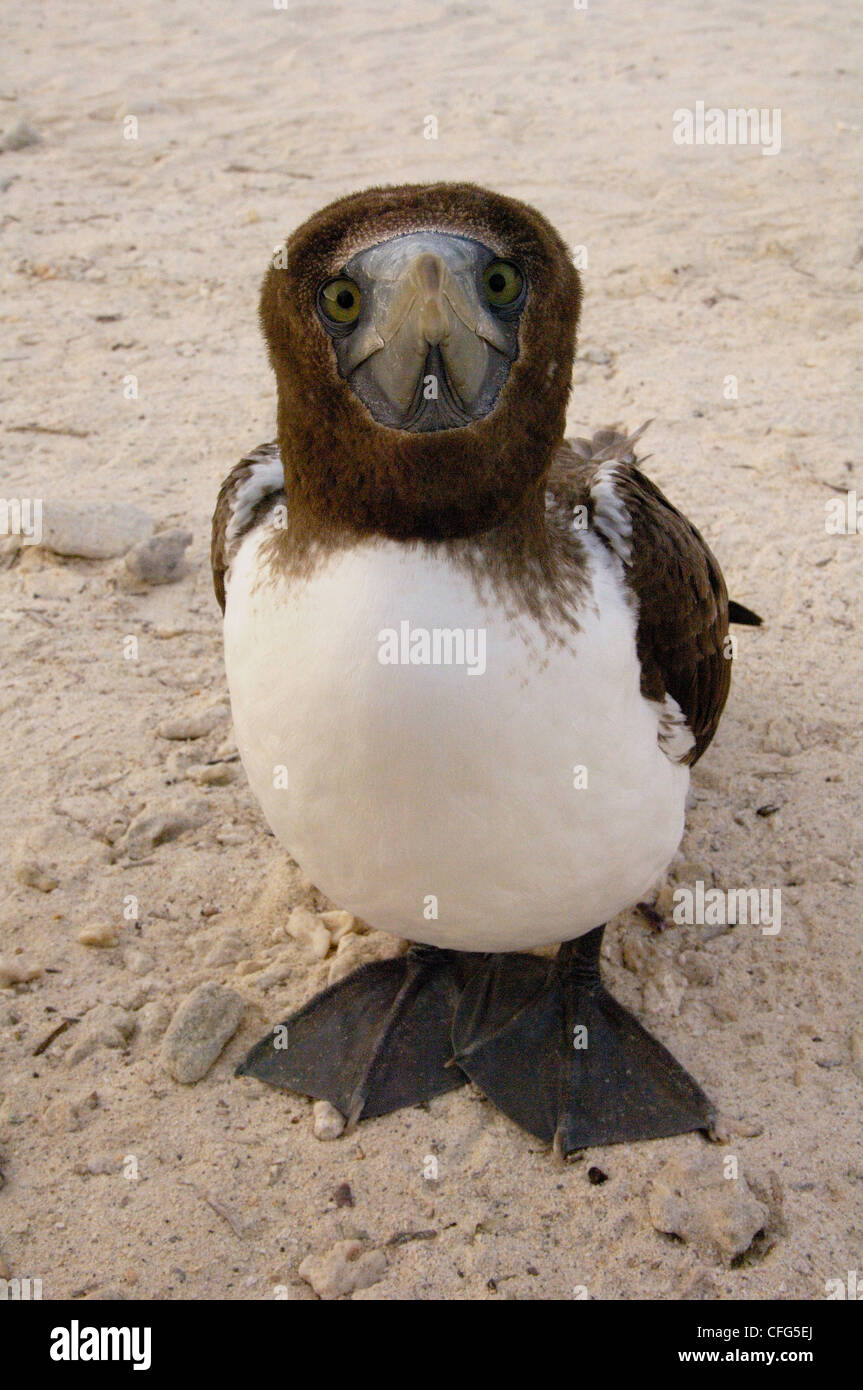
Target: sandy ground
(142, 257)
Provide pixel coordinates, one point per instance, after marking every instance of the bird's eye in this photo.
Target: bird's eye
(503, 283)
(339, 300)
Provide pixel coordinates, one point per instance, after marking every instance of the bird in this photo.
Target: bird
(471, 663)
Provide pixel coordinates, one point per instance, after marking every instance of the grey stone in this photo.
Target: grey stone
(97, 532)
(199, 1030)
(159, 560)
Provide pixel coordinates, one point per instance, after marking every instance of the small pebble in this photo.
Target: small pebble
(600, 357)
(856, 1043)
(104, 1026)
(310, 930)
(103, 934)
(781, 737)
(17, 973)
(338, 924)
(320, 942)
(193, 724)
(139, 962)
(32, 873)
(342, 1269)
(273, 975)
(199, 1030)
(301, 924)
(227, 949)
(213, 774)
(22, 136)
(149, 830)
(97, 1167)
(159, 560)
(329, 1123)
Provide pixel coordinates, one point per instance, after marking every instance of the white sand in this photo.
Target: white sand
(702, 263)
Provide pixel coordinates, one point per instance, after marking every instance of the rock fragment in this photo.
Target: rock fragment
(102, 934)
(301, 924)
(151, 829)
(781, 737)
(138, 962)
(329, 1123)
(98, 532)
(22, 136)
(104, 1026)
(213, 774)
(338, 924)
(192, 724)
(159, 560)
(339, 1271)
(719, 1216)
(17, 972)
(33, 873)
(199, 1030)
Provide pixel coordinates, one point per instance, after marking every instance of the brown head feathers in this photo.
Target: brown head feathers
(346, 474)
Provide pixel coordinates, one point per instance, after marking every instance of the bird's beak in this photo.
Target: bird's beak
(427, 353)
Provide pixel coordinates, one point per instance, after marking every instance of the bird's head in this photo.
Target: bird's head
(422, 338)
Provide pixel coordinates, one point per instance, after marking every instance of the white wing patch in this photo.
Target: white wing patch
(266, 475)
(611, 520)
(675, 736)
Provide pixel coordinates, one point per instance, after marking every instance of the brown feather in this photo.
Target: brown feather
(346, 472)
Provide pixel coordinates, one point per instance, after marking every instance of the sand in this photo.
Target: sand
(132, 265)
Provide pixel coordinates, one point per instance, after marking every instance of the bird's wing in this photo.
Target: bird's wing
(676, 581)
(245, 497)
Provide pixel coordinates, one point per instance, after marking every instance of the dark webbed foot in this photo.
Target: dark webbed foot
(555, 1052)
(375, 1041)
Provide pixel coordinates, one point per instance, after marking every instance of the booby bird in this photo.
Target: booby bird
(470, 666)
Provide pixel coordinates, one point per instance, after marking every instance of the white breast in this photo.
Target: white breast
(439, 805)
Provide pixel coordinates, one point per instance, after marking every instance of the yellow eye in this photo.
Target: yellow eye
(503, 283)
(340, 300)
